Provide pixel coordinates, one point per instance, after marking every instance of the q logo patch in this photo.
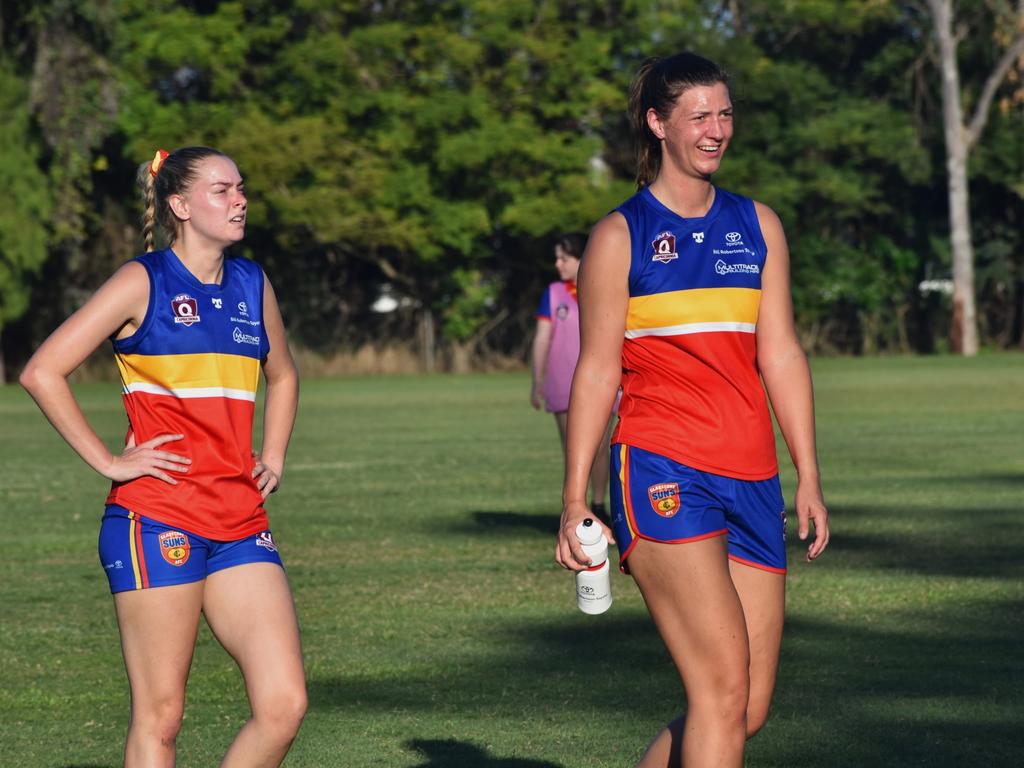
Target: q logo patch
(174, 547)
(664, 498)
(664, 248)
(186, 309)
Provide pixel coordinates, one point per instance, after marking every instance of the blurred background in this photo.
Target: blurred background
(409, 162)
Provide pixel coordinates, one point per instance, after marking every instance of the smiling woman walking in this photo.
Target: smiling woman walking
(684, 297)
(185, 531)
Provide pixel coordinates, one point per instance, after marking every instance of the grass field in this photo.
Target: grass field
(417, 521)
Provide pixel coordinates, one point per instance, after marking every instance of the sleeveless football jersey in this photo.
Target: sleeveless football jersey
(691, 390)
(192, 368)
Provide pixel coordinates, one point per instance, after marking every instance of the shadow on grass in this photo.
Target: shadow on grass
(493, 523)
(939, 689)
(449, 753)
(973, 556)
(930, 541)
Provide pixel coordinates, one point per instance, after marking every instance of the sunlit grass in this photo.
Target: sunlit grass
(416, 522)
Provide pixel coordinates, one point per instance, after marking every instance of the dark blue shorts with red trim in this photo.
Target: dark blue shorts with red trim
(138, 552)
(656, 498)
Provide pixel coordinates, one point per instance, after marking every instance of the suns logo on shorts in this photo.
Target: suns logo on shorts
(174, 547)
(664, 498)
(265, 540)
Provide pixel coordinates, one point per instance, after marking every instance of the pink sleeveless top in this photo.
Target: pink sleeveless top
(564, 352)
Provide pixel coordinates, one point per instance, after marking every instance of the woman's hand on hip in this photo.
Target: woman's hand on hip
(267, 479)
(146, 459)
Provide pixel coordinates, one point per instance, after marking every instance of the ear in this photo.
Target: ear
(655, 123)
(179, 207)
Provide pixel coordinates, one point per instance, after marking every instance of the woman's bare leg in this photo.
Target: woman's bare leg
(690, 594)
(251, 612)
(158, 635)
(762, 595)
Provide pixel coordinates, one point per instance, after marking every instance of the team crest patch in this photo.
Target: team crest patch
(174, 547)
(186, 309)
(265, 540)
(562, 312)
(665, 248)
(664, 498)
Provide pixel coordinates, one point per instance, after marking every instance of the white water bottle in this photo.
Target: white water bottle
(593, 584)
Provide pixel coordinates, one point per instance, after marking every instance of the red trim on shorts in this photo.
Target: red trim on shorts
(627, 498)
(701, 537)
(141, 553)
(760, 566)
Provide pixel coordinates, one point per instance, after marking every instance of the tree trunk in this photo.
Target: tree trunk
(427, 341)
(963, 334)
(462, 356)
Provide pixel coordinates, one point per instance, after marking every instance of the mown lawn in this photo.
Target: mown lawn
(417, 523)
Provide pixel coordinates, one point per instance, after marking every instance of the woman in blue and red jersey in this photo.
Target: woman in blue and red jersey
(185, 531)
(684, 297)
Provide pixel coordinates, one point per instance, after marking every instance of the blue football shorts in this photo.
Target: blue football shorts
(138, 552)
(656, 498)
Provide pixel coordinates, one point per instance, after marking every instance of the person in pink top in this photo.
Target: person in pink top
(556, 348)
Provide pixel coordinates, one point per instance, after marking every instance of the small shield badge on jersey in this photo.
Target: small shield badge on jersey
(664, 498)
(186, 309)
(665, 248)
(175, 548)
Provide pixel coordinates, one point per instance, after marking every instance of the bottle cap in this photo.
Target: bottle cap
(589, 532)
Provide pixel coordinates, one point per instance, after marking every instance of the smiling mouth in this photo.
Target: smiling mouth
(240, 219)
(709, 148)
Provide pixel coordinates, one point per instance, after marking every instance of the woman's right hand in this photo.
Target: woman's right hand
(537, 397)
(568, 551)
(140, 460)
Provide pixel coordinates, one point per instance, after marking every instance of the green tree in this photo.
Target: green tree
(25, 216)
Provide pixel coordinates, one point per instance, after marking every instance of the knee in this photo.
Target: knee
(283, 712)
(159, 717)
(728, 700)
(757, 716)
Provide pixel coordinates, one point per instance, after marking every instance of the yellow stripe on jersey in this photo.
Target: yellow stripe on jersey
(197, 375)
(698, 310)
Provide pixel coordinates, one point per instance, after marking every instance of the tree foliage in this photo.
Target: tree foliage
(431, 150)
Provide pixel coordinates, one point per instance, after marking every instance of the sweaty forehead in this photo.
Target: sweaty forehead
(217, 170)
(704, 98)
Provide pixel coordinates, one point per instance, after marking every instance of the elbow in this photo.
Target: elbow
(29, 378)
(285, 379)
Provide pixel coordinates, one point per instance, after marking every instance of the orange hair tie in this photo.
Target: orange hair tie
(157, 162)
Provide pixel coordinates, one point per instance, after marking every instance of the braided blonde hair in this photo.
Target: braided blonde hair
(173, 177)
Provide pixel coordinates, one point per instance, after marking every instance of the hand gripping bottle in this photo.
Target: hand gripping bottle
(593, 584)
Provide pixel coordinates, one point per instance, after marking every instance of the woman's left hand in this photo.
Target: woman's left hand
(267, 479)
(810, 507)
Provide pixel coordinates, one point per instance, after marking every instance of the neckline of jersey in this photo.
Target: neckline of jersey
(659, 206)
(179, 266)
